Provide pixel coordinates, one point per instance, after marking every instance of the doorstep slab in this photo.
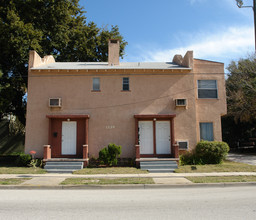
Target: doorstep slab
(180, 180)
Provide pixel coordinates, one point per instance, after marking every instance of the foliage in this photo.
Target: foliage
(108, 155)
(206, 152)
(226, 166)
(241, 89)
(106, 181)
(110, 170)
(211, 152)
(9, 141)
(234, 131)
(23, 160)
(36, 163)
(13, 181)
(221, 179)
(189, 158)
(56, 27)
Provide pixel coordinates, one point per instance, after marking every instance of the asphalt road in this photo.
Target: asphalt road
(177, 203)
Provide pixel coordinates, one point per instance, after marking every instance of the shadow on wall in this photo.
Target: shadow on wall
(10, 143)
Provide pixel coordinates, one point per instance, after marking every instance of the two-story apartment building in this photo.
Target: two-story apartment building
(146, 107)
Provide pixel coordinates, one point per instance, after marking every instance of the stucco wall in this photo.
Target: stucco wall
(112, 110)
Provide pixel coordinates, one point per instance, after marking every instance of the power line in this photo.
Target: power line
(138, 102)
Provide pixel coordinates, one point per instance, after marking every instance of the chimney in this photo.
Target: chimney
(113, 52)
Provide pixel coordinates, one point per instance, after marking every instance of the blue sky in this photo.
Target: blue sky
(156, 30)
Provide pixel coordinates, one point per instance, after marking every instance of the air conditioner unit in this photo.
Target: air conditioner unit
(183, 145)
(54, 102)
(181, 102)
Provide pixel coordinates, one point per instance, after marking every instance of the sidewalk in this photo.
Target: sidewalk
(161, 179)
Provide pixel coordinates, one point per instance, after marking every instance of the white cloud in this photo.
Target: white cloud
(231, 43)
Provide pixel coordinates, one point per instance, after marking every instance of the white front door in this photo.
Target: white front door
(163, 138)
(146, 137)
(68, 145)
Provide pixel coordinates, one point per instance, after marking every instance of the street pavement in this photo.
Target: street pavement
(224, 203)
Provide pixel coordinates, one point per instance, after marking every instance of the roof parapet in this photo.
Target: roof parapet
(35, 60)
(186, 61)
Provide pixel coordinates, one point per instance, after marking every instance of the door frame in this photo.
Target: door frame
(82, 132)
(155, 118)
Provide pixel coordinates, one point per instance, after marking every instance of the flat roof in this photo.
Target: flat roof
(104, 65)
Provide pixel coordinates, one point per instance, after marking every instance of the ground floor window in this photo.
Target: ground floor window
(206, 131)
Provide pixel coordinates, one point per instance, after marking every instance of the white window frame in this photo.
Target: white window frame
(207, 88)
(94, 84)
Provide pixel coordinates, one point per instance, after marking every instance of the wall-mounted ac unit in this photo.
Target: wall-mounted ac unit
(183, 145)
(54, 102)
(181, 102)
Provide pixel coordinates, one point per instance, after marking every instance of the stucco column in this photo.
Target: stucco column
(176, 150)
(47, 152)
(137, 151)
(85, 155)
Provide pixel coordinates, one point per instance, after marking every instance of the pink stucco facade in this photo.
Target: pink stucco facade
(110, 110)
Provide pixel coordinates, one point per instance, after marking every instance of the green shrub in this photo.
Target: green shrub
(108, 155)
(24, 160)
(212, 152)
(190, 158)
(206, 152)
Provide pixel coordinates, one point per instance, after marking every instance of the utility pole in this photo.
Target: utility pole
(240, 4)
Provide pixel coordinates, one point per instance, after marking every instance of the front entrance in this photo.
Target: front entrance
(154, 137)
(67, 135)
(68, 145)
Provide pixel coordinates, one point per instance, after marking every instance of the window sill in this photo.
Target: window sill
(125, 90)
(95, 90)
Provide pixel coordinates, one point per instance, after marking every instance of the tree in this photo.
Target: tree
(241, 89)
(56, 27)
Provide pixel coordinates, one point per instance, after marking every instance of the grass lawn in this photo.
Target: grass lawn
(111, 170)
(106, 181)
(20, 170)
(226, 166)
(222, 179)
(13, 181)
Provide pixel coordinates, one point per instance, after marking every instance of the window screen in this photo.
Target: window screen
(126, 84)
(96, 84)
(207, 89)
(206, 131)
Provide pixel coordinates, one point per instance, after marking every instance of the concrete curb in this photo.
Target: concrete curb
(126, 186)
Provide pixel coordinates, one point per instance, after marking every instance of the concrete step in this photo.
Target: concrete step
(159, 166)
(161, 170)
(63, 166)
(64, 163)
(146, 167)
(158, 162)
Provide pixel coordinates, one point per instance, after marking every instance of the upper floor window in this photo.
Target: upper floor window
(207, 89)
(126, 86)
(96, 84)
